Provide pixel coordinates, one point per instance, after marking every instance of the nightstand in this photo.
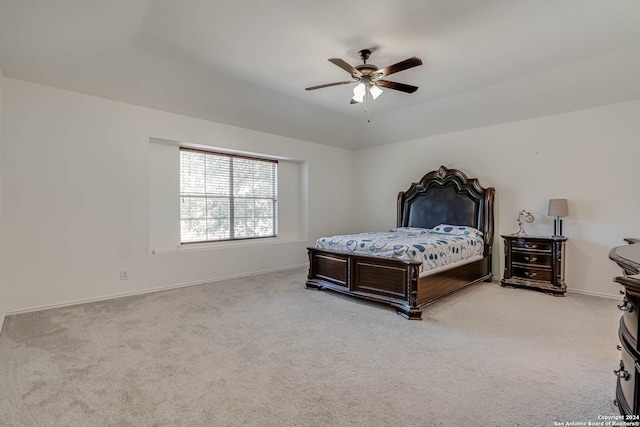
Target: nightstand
(535, 262)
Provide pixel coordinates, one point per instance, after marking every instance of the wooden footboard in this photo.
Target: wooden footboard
(390, 281)
(394, 282)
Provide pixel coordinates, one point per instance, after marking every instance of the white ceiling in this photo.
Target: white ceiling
(247, 62)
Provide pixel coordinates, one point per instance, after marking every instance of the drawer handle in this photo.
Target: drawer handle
(621, 373)
(625, 306)
(534, 259)
(528, 246)
(526, 273)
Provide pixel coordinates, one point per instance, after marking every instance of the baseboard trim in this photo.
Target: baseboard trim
(578, 291)
(150, 290)
(593, 294)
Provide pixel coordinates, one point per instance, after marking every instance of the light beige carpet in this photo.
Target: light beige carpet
(265, 351)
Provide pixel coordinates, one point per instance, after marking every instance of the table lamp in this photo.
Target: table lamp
(558, 208)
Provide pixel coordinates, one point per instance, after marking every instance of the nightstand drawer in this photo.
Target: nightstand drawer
(532, 273)
(531, 244)
(530, 258)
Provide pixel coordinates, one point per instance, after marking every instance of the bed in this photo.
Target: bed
(445, 196)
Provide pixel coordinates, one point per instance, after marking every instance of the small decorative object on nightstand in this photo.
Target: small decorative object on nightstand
(527, 217)
(535, 262)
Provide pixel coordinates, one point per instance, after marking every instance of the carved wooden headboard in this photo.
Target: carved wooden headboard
(447, 196)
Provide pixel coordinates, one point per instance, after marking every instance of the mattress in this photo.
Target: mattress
(435, 248)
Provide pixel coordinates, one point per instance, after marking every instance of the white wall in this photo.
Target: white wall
(3, 292)
(589, 157)
(77, 198)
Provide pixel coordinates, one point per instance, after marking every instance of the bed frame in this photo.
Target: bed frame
(445, 196)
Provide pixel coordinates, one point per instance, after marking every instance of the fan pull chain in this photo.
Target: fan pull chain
(366, 105)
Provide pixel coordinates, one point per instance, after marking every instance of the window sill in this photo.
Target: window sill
(194, 247)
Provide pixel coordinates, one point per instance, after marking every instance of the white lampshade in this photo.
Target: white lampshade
(375, 91)
(558, 207)
(359, 92)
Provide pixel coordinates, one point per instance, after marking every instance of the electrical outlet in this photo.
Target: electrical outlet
(124, 275)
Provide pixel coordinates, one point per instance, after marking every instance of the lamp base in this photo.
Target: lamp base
(557, 227)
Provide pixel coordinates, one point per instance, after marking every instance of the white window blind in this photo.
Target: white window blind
(226, 197)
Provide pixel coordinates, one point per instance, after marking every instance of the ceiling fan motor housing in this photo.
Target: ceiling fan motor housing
(368, 70)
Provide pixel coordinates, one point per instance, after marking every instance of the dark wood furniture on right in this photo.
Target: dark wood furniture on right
(535, 262)
(628, 372)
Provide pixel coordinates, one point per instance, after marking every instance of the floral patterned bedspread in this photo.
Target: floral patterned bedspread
(431, 248)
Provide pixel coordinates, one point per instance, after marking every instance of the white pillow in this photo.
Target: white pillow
(410, 230)
(456, 230)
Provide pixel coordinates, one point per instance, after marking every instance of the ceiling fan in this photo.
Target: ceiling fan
(369, 77)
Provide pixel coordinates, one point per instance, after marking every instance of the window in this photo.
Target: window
(226, 197)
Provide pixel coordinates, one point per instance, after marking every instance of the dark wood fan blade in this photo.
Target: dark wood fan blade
(400, 66)
(345, 66)
(331, 84)
(397, 86)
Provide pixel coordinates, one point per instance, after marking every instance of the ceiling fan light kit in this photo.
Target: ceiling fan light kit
(360, 91)
(369, 77)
